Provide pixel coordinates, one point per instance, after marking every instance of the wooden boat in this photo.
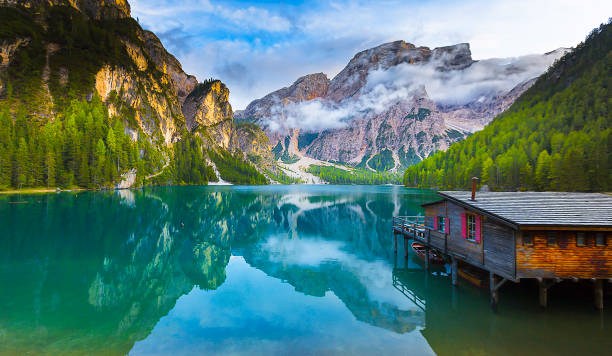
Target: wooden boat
(421, 252)
(473, 276)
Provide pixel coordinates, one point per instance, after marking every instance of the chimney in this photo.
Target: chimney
(474, 180)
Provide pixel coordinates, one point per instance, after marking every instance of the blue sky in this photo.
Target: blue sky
(256, 47)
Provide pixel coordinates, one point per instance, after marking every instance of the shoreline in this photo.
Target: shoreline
(28, 191)
(44, 190)
(55, 190)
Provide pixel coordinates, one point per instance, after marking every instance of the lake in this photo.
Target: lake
(256, 270)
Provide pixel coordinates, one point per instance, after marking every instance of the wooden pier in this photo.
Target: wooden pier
(507, 237)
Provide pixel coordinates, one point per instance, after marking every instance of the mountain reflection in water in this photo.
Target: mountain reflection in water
(248, 270)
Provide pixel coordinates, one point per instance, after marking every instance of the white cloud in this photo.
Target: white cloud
(264, 69)
(458, 87)
(501, 28)
(163, 15)
(255, 18)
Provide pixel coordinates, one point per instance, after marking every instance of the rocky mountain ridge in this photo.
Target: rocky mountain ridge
(390, 118)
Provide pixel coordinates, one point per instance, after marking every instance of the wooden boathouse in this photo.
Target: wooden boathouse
(548, 236)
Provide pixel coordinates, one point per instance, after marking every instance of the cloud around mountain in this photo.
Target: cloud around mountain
(480, 81)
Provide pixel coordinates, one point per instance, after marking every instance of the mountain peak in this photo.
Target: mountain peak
(305, 88)
(393, 53)
(453, 57)
(309, 86)
(314, 76)
(353, 77)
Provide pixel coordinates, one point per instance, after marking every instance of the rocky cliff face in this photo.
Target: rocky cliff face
(157, 113)
(405, 133)
(268, 112)
(8, 47)
(394, 104)
(208, 112)
(255, 144)
(305, 88)
(168, 64)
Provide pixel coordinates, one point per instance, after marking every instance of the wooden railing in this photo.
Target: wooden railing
(411, 295)
(416, 228)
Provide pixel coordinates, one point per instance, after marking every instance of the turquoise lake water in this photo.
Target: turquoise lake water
(294, 270)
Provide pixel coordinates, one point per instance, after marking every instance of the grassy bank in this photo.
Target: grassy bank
(28, 191)
(40, 190)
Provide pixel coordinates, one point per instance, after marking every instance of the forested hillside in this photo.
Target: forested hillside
(85, 149)
(556, 136)
(91, 100)
(334, 175)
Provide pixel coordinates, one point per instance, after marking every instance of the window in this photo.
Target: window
(471, 227)
(580, 239)
(562, 240)
(551, 238)
(600, 239)
(441, 224)
(527, 239)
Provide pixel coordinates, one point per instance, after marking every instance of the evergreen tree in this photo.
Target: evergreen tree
(100, 162)
(22, 158)
(50, 165)
(542, 174)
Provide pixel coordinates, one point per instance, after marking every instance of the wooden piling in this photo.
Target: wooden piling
(454, 270)
(395, 242)
(427, 249)
(598, 293)
(544, 285)
(494, 291)
(405, 247)
(543, 293)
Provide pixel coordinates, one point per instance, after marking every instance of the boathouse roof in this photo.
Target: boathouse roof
(539, 208)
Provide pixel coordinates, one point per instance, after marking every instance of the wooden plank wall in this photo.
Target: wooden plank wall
(498, 247)
(564, 259)
(456, 243)
(437, 240)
